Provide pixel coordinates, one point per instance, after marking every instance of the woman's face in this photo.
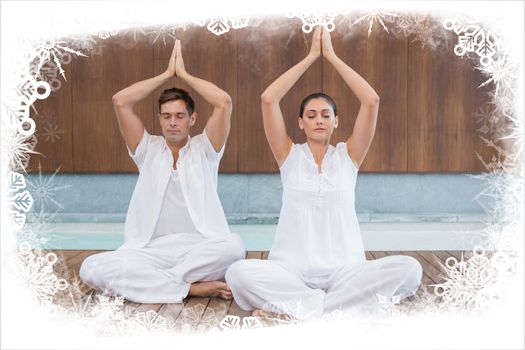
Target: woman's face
(318, 120)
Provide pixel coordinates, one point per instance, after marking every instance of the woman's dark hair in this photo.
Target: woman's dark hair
(308, 98)
(175, 94)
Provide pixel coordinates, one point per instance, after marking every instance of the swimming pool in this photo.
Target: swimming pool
(376, 235)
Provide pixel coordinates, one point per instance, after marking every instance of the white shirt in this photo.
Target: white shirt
(197, 167)
(318, 229)
(174, 215)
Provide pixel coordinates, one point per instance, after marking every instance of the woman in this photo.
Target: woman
(317, 263)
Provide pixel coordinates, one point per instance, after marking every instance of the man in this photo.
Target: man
(177, 240)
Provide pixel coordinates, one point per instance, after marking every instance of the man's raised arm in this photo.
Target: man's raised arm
(130, 124)
(218, 125)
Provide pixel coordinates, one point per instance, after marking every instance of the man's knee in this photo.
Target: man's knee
(235, 247)
(99, 269)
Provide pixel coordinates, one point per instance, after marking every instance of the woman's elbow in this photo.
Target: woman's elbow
(372, 101)
(266, 98)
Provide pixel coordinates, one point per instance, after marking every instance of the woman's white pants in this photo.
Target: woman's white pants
(162, 271)
(269, 285)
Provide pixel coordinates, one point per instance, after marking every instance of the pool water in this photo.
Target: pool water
(376, 236)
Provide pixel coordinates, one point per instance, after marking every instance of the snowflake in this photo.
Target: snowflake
(233, 323)
(39, 229)
(134, 23)
(194, 319)
(311, 20)
(104, 34)
(492, 124)
(475, 282)
(250, 322)
(52, 50)
(27, 92)
(18, 147)
(387, 306)
(150, 321)
(407, 24)
(135, 32)
(44, 190)
(219, 26)
(37, 270)
(21, 202)
(163, 32)
(501, 72)
(376, 16)
(473, 38)
(52, 132)
(50, 70)
(107, 307)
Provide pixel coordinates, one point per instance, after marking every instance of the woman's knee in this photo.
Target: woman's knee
(412, 270)
(88, 270)
(238, 274)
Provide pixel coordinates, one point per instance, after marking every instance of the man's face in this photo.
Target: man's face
(175, 121)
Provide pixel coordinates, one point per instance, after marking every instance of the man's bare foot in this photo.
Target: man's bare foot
(210, 289)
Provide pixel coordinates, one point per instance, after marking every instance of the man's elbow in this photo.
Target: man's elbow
(226, 102)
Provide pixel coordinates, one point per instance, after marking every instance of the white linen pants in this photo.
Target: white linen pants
(163, 270)
(269, 285)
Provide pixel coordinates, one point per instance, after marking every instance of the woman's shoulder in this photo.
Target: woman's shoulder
(342, 150)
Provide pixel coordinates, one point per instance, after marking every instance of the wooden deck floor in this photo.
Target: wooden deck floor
(208, 311)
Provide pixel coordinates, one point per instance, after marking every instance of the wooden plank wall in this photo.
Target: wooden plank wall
(425, 124)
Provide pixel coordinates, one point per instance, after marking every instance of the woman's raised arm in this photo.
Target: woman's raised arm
(273, 120)
(359, 142)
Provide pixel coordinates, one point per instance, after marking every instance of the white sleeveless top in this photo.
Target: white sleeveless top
(318, 229)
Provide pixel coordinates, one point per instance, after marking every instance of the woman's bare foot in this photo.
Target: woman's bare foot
(210, 289)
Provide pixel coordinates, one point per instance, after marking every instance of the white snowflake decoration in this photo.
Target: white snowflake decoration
(312, 20)
(28, 93)
(38, 229)
(501, 72)
(43, 190)
(198, 319)
(104, 34)
(52, 132)
(18, 148)
(53, 50)
(230, 323)
(219, 26)
(473, 38)
(37, 270)
(136, 31)
(233, 323)
(376, 16)
(164, 32)
(19, 201)
(49, 71)
(387, 306)
(150, 321)
(475, 282)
